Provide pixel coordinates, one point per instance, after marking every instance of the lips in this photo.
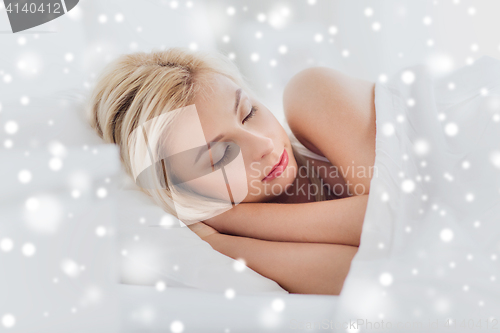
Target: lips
(278, 168)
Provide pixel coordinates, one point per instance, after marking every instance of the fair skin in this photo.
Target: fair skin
(306, 247)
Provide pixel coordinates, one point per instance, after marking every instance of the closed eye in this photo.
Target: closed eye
(250, 114)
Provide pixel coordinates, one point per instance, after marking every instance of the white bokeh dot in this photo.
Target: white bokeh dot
(421, 147)
(446, 235)
(70, 268)
(160, 286)
(388, 129)
(55, 164)
(28, 249)
(102, 192)
(408, 186)
(229, 293)
(32, 204)
(8, 320)
(167, 221)
(6, 244)
(261, 17)
(11, 127)
(24, 176)
(278, 305)
(495, 158)
(69, 57)
(368, 11)
(451, 129)
(100, 231)
(239, 265)
(333, 30)
(385, 279)
(408, 77)
(254, 57)
(25, 100)
(75, 14)
(176, 326)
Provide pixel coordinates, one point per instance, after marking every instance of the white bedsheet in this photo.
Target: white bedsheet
(430, 245)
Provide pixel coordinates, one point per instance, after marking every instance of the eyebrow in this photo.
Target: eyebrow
(218, 137)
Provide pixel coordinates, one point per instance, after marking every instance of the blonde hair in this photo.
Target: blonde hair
(137, 87)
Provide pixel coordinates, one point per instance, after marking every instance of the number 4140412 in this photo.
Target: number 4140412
(471, 323)
(35, 8)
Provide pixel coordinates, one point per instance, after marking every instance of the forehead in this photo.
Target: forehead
(206, 118)
(217, 94)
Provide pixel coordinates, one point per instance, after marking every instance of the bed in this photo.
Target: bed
(72, 221)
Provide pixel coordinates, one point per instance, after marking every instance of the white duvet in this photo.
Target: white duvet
(429, 257)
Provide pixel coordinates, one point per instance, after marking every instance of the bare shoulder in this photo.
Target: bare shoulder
(333, 115)
(317, 92)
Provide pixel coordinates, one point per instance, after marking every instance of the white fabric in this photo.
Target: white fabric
(430, 245)
(161, 248)
(56, 212)
(301, 149)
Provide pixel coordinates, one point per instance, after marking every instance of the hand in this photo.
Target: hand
(202, 230)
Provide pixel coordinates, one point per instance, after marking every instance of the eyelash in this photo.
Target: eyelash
(251, 114)
(224, 158)
(228, 148)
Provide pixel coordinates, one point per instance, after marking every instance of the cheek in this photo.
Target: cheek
(209, 186)
(220, 184)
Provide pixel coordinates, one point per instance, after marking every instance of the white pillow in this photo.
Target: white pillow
(57, 273)
(156, 247)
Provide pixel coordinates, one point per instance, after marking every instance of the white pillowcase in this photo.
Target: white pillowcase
(159, 250)
(155, 247)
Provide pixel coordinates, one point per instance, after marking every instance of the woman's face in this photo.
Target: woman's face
(230, 120)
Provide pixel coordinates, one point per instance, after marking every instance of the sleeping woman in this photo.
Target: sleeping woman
(300, 219)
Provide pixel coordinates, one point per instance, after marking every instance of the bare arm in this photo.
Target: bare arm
(337, 221)
(303, 268)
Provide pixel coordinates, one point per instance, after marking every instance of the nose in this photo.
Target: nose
(259, 145)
